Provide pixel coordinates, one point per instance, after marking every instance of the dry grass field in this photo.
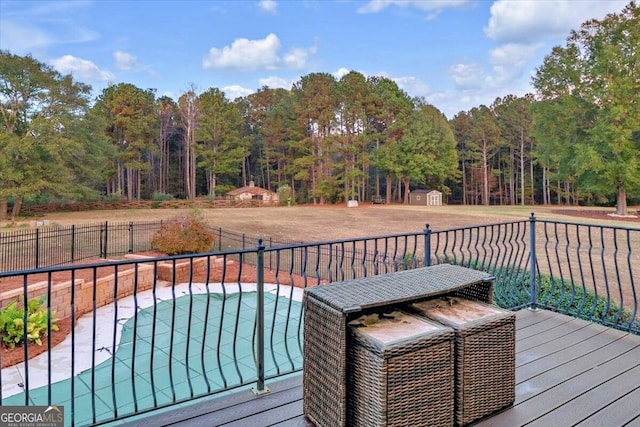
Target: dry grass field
(329, 222)
(334, 222)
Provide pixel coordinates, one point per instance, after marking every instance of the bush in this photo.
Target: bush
(12, 323)
(161, 197)
(284, 195)
(183, 234)
(512, 289)
(115, 196)
(407, 262)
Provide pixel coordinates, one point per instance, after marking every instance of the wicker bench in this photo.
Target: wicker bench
(328, 309)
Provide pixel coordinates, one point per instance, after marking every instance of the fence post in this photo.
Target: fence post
(260, 387)
(131, 237)
(532, 262)
(37, 260)
(73, 242)
(427, 246)
(106, 238)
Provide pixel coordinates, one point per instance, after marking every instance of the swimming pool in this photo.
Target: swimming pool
(179, 344)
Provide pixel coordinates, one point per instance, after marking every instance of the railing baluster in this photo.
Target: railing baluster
(631, 282)
(189, 321)
(73, 345)
(532, 262)
(604, 269)
(223, 278)
(93, 340)
(172, 332)
(154, 295)
(260, 387)
(204, 328)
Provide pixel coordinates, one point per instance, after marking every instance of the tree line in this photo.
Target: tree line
(575, 140)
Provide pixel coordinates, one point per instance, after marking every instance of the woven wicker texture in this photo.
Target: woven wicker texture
(403, 286)
(323, 365)
(484, 358)
(326, 311)
(408, 382)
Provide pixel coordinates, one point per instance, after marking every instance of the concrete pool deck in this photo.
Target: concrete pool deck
(174, 371)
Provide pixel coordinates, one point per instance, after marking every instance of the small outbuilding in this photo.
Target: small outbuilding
(425, 197)
(251, 192)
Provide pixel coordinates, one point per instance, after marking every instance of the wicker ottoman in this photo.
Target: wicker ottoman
(484, 354)
(399, 371)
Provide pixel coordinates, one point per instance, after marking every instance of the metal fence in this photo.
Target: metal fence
(233, 317)
(56, 245)
(53, 245)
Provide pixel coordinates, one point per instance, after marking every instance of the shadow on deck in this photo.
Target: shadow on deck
(569, 372)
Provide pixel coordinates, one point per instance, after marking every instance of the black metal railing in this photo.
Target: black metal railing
(155, 332)
(49, 244)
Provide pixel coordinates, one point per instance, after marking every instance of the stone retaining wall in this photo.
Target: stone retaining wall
(104, 288)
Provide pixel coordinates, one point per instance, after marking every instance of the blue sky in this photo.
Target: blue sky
(457, 54)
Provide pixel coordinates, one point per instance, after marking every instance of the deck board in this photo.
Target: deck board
(568, 372)
(538, 360)
(600, 396)
(618, 413)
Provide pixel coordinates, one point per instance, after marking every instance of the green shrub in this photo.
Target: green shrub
(183, 234)
(160, 197)
(512, 289)
(115, 196)
(284, 195)
(407, 262)
(12, 323)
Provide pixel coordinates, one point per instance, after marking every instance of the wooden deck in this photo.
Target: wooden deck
(568, 373)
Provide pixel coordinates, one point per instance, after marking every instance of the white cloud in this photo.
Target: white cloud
(530, 21)
(467, 76)
(435, 6)
(274, 82)
(340, 73)
(521, 28)
(81, 69)
(474, 85)
(296, 58)
(510, 60)
(236, 91)
(269, 6)
(124, 60)
(245, 54)
(412, 85)
(451, 102)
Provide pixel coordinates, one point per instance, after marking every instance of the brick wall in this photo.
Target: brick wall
(105, 289)
(183, 269)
